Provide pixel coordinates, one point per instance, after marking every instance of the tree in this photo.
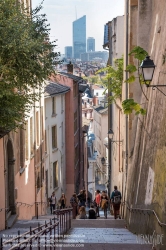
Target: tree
(27, 58)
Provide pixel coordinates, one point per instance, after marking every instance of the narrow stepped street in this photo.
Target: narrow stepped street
(99, 234)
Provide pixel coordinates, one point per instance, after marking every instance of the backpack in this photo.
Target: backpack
(117, 197)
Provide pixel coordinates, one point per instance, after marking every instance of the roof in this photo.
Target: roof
(97, 87)
(73, 77)
(54, 88)
(101, 109)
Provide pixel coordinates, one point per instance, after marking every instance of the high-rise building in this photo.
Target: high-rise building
(90, 44)
(79, 37)
(68, 52)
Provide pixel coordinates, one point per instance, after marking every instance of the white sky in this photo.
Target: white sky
(61, 14)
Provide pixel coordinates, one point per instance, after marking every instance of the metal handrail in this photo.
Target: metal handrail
(145, 210)
(63, 223)
(26, 204)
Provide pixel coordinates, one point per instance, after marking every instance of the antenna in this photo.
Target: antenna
(76, 12)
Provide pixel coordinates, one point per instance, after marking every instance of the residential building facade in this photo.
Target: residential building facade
(55, 162)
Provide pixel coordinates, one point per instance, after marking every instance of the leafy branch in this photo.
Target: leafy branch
(27, 58)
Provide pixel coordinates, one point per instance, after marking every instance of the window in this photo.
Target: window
(26, 142)
(55, 174)
(45, 141)
(37, 128)
(75, 122)
(97, 93)
(31, 135)
(85, 114)
(53, 105)
(54, 137)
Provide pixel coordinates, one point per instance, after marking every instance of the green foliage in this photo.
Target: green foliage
(113, 79)
(27, 57)
(130, 105)
(138, 53)
(131, 68)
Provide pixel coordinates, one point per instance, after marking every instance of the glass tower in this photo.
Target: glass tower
(79, 37)
(90, 44)
(68, 52)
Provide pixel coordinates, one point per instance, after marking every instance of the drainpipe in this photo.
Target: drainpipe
(126, 97)
(34, 149)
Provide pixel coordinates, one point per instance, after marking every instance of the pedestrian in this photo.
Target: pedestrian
(88, 201)
(116, 201)
(92, 212)
(52, 201)
(74, 204)
(82, 198)
(104, 203)
(62, 201)
(82, 214)
(97, 201)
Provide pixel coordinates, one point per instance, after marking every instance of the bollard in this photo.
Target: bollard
(18, 236)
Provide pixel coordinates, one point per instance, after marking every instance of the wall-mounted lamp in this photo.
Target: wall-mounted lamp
(148, 68)
(84, 133)
(110, 136)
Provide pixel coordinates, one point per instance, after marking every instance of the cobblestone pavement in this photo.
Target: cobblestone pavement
(98, 234)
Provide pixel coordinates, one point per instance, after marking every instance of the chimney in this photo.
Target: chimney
(95, 101)
(70, 68)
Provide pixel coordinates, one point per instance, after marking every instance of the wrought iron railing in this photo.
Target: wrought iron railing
(44, 236)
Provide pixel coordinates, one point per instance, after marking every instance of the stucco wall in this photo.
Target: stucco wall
(147, 175)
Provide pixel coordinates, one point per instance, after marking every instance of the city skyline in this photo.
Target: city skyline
(62, 14)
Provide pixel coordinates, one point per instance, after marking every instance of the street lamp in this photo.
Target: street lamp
(111, 134)
(148, 68)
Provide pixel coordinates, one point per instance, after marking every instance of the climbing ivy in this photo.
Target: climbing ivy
(114, 81)
(130, 105)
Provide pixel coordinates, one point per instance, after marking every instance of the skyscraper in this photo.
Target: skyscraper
(90, 44)
(68, 52)
(79, 37)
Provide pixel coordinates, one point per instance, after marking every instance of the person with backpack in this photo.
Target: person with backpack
(116, 201)
(52, 201)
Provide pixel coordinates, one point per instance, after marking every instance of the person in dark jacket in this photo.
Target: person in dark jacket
(92, 212)
(116, 201)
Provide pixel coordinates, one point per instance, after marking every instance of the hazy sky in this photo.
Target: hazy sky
(61, 14)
